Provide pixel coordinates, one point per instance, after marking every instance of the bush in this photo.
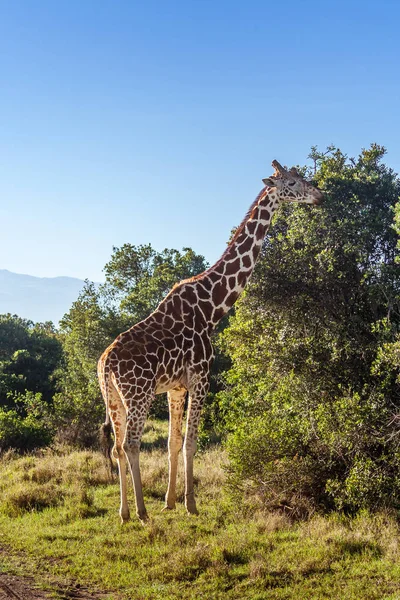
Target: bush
(311, 403)
(26, 427)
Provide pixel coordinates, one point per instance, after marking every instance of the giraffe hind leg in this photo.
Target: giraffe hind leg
(118, 419)
(136, 413)
(176, 402)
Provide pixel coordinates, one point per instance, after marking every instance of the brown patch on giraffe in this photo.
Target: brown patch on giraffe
(251, 227)
(186, 308)
(232, 267)
(177, 328)
(246, 246)
(242, 278)
(265, 214)
(168, 322)
(260, 231)
(176, 304)
(246, 261)
(255, 252)
(198, 350)
(231, 299)
(189, 294)
(220, 268)
(214, 277)
(179, 340)
(218, 314)
(202, 293)
(199, 317)
(206, 308)
(187, 333)
(123, 368)
(168, 343)
(159, 334)
(240, 238)
(219, 292)
(206, 282)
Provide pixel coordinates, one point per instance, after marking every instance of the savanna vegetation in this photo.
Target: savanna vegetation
(298, 475)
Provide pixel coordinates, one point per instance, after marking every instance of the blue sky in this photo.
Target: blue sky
(155, 122)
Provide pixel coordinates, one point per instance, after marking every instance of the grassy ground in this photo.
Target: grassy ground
(60, 514)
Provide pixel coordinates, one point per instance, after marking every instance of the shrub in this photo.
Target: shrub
(24, 433)
(311, 404)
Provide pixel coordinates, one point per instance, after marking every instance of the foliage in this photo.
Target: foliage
(27, 426)
(308, 345)
(86, 330)
(29, 356)
(138, 277)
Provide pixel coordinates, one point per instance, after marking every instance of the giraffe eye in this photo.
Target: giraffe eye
(291, 183)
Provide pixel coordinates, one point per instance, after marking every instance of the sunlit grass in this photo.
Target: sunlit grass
(60, 510)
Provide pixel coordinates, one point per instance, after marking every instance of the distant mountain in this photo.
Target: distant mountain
(37, 298)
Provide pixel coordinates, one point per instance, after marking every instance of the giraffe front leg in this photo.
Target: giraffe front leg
(176, 402)
(196, 400)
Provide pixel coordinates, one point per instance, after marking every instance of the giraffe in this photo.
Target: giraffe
(170, 351)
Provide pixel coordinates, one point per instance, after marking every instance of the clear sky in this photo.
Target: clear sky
(127, 121)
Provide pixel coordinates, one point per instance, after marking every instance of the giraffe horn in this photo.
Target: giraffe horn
(279, 170)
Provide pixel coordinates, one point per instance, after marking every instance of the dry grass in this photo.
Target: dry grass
(50, 479)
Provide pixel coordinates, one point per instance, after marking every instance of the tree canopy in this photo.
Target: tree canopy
(306, 400)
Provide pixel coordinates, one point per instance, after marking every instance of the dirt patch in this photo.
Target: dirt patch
(20, 587)
(13, 587)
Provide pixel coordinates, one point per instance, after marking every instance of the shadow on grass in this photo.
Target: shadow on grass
(357, 547)
(160, 442)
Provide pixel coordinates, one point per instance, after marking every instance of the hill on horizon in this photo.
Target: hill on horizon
(37, 298)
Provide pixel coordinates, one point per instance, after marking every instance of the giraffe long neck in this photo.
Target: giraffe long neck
(219, 287)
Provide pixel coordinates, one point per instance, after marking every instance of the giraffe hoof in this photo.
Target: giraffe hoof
(166, 507)
(143, 518)
(192, 510)
(125, 519)
(125, 515)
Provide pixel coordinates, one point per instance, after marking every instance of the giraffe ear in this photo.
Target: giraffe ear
(270, 182)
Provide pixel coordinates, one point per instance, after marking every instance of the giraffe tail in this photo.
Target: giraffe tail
(106, 442)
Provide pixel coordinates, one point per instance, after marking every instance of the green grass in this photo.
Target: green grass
(59, 512)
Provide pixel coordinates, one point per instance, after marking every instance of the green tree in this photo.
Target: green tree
(86, 330)
(30, 355)
(307, 403)
(139, 277)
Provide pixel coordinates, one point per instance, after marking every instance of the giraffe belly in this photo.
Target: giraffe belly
(164, 386)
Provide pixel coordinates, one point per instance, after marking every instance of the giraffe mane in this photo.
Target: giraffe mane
(231, 242)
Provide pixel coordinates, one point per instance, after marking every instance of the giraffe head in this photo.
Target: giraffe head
(289, 186)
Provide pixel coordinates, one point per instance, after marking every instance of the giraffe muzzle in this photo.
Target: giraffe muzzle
(318, 197)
